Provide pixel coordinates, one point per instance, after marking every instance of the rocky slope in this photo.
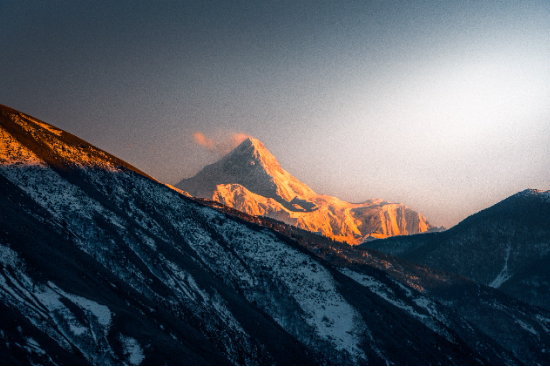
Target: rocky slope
(250, 179)
(100, 264)
(506, 246)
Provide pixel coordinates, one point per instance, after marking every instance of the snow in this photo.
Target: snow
(34, 346)
(503, 276)
(527, 327)
(381, 290)
(434, 319)
(8, 256)
(132, 349)
(102, 313)
(212, 304)
(50, 297)
(52, 192)
(148, 240)
(310, 283)
(43, 305)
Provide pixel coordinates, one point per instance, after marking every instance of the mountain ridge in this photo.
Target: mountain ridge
(505, 246)
(250, 179)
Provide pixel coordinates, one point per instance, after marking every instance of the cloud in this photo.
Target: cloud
(220, 147)
(200, 139)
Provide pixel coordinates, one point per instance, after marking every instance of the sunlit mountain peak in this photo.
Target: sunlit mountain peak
(250, 179)
(253, 166)
(255, 150)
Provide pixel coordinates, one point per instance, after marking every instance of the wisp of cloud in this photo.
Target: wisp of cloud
(220, 147)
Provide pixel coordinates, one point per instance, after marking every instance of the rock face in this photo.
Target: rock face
(251, 180)
(506, 246)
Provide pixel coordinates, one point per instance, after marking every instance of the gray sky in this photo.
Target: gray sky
(443, 106)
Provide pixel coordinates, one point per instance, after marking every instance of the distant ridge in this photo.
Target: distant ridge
(250, 179)
(506, 246)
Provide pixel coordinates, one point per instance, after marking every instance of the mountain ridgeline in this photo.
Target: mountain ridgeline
(101, 264)
(250, 179)
(506, 246)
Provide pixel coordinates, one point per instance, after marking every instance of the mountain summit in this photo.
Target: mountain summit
(250, 179)
(505, 246)
(252, 166)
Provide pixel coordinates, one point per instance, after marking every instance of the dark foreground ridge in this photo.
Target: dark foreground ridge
(101, 264)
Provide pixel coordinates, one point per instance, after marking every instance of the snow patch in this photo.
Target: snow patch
(8, 256)
(527, 327)
(132, 350)
(503, 276)
(102, 313)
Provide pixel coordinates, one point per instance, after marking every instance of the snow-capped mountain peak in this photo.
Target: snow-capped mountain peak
(253, 166)
(250, 179)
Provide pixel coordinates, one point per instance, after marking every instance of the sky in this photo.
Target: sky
(441, 105)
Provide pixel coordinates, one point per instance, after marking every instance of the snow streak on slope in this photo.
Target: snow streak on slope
(52, 310)
(503, 275)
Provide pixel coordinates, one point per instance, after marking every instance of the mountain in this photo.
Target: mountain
(102, 264)
(506, 246)
(253, 166)
(250, 179)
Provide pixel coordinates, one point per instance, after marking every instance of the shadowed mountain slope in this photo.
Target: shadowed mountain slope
(100, 264)
(251, 180)
(516, 326)
(506, 246)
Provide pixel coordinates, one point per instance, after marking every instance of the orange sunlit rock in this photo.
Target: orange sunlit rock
(333, 218)
(250, 179)
(39, 144)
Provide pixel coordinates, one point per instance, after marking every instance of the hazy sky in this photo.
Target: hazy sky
(441, 105)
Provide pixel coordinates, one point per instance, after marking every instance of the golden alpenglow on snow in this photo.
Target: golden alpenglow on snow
(250, 179)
